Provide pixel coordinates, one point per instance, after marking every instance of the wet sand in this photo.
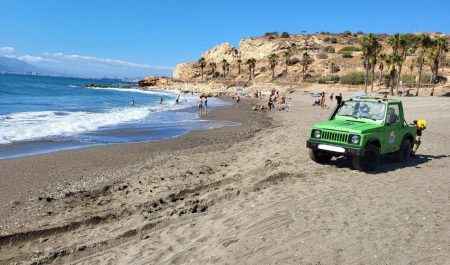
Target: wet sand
(237, 195)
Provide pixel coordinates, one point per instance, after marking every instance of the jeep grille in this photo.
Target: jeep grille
(335, 136)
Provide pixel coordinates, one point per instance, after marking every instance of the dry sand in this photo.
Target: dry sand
(245, 196)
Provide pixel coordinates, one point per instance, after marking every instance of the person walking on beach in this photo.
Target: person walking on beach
(200, 105)
(331, 100)
(238, 99)
(420, 126)
(177, 100)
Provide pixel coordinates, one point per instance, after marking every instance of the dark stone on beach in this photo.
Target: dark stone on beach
(49, 199)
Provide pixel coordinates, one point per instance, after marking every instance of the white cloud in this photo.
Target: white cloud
(108, 62)
(7, 51)
(33, 59)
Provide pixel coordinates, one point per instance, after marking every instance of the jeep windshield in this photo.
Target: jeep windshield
(358, 109)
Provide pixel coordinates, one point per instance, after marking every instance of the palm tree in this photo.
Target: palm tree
(251, 67)
(382, 58)
(424, 43)
(273, 62)
(224, 67)
(411, 66)
(370, 48)
(213, 66)
(374, 60)
(202, 63)
(287, 56)
(306, 60)
(239, 61)
(439, 48)
(394, 42)
(406, 43)
(393, 60)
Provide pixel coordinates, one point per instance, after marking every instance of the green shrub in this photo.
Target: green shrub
(330, 39)
(411, 79)
(322, 55)
(285, 34)
(293, 61)
(329, 49)
(273, 34)
(349, 49)
(347, 55)
(334, 68)
(346, 33)
(354, 78)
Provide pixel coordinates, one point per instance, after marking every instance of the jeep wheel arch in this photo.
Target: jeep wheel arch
(375, 142)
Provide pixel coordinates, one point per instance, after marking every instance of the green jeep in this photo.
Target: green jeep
(363, 128)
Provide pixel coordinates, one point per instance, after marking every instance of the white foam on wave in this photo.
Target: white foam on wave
(136, 90)
(33, 125)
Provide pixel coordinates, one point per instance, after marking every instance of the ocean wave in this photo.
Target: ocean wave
(34, 125)
(172, 93)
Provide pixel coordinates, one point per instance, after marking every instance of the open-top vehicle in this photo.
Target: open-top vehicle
(363, 129)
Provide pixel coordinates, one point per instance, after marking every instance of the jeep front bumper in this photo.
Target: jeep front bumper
(335, 149)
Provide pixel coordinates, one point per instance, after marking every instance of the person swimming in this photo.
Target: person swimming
(132, 102)
(177, 99)
(161, 100)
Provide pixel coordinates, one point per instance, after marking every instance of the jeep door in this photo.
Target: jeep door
(393, 129)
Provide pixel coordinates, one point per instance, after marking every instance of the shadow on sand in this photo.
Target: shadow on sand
(387, 164)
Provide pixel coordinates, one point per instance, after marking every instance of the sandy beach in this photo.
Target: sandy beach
(245, 194)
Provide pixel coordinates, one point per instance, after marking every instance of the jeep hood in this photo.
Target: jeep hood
(351, 126)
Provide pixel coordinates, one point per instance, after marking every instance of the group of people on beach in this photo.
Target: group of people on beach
(273, 100)
(322, 100)
(202, 104)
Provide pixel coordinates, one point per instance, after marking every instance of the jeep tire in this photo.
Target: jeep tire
(369, 161)
(404, 153)
(320, 157)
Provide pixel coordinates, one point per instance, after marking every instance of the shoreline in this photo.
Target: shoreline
(28, 178)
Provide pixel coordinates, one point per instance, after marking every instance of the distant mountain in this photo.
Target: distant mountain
(11, 65)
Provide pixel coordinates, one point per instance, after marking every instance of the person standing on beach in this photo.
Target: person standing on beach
(270, 104)
(238, 99)
(331, 100)
(205, 105)
(339, 99)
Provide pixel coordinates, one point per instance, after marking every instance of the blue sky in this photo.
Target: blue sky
(138, 38)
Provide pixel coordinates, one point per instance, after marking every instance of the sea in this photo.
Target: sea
(40, 114)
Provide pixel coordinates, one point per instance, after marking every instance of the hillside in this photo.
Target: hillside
(328, 61)
(11, 65)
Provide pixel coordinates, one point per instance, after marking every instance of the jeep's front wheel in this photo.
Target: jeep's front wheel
(404, 153)
(319, 157)
(370, 160)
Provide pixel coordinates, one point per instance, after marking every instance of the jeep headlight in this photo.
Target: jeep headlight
(354, 139)
(316, 134)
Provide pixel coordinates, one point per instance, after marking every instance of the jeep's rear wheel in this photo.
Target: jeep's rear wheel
(319, 157)
(404, 153)
(370, 160)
